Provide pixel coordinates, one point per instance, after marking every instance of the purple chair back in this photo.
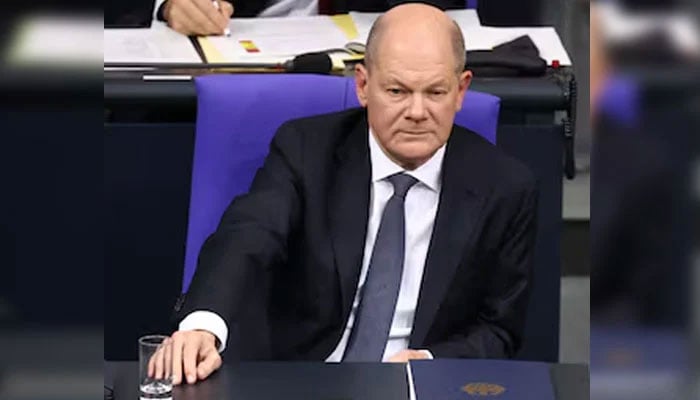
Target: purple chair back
(237, 116)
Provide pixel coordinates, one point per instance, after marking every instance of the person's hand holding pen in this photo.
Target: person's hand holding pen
(198, 17)
(227, 31)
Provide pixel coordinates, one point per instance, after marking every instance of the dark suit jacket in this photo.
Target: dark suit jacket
(283, 266)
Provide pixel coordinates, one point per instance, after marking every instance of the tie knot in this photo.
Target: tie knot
(402, 182)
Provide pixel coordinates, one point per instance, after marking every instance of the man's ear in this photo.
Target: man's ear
(361, 83)
(465, 79)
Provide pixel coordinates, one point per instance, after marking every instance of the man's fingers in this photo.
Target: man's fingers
(221, 19)
(407, 355)
(178, 342)
(226, 9)
(152, 366)
(211, 16)
(210, 363)
(175, 17)
(189, 359)
(168, 358)
(187, 18)
(400, 357)
(180, 22)
(418, 355)
(158, 357)
(191, 355)
(202, 17)
(395, 358)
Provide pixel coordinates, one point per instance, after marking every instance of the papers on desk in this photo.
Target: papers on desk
(271, 40)
(364, 20)
(478, 37)
(465, 18)
(155, 45)
(363, 23)
(264, 38)
(545, 38)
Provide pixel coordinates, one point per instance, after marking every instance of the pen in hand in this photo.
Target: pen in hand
(227, 31)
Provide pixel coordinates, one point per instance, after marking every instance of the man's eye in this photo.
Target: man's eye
(395, 91)
(437, 92)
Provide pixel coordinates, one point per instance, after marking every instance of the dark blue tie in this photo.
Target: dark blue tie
(370, 331)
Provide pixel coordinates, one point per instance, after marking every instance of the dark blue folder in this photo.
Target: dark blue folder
(447, 379)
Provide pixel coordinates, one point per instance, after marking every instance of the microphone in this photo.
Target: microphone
(309, 63)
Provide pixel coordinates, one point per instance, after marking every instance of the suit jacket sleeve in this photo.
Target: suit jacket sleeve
(243, 9)
(501, 319)
(251, 238)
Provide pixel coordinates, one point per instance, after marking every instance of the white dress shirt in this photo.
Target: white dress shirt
(421, 206)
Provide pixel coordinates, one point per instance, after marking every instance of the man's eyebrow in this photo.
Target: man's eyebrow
(438, 82)
(394, 81)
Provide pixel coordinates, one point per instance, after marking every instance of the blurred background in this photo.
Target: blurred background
(51, 260)
(644, 80)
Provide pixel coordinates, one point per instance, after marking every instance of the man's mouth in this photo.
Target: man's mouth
(415, 132)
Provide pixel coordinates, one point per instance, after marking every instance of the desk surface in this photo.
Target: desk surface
(318, 380)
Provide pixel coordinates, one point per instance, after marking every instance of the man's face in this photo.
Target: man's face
(412, 93)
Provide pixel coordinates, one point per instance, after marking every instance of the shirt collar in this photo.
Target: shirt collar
(383, 167)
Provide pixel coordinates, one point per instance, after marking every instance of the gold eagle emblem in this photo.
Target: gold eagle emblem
(483, 389)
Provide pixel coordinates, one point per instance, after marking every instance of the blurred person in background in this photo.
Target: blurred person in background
(640, 204)
(632, 202)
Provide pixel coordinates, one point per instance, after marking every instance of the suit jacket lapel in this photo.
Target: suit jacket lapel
(348, 210)
(457, 216)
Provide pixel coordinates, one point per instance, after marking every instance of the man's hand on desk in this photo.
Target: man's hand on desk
(197, 17)
(194, 357)
(408, 354)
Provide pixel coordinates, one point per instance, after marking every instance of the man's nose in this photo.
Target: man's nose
(416, 109)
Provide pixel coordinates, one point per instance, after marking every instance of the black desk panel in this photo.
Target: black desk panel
(315, 380)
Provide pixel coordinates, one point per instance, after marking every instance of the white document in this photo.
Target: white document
(478, 37)
(157, 44)
(465, 18)
(363, 23)
(261, 38)
(545, 38)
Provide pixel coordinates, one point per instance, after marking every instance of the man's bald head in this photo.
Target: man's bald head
(417, 82)
(415, 17)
